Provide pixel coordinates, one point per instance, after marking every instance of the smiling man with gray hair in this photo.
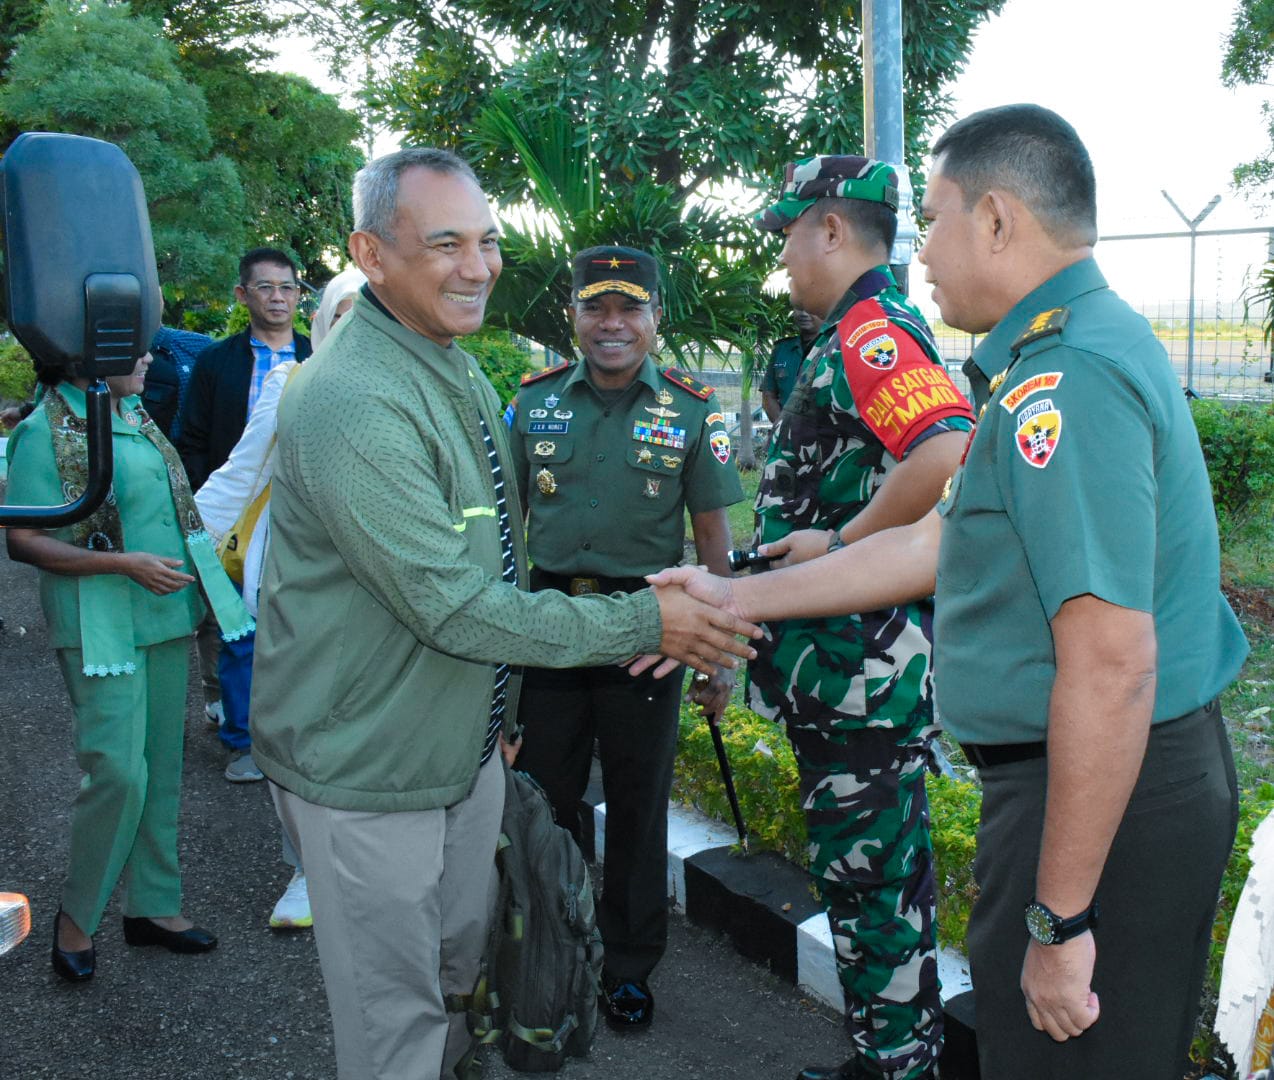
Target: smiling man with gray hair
(392, 607)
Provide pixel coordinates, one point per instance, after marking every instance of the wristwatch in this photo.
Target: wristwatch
(834, 542)
(1050, 929)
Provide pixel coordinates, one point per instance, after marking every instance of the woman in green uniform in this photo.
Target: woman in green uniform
(117, 594)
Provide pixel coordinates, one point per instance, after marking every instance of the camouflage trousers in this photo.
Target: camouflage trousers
(863, 793)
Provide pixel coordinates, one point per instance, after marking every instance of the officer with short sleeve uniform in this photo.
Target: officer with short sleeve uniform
(1085, 478)
(609, 455)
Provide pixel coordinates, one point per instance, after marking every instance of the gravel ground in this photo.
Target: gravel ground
(255, 1008)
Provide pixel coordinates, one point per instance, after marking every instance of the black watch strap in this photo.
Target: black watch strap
(1050, 929)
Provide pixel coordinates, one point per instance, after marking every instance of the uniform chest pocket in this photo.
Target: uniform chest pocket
(548, 449)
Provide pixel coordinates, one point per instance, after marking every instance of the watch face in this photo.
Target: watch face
(1040, 924)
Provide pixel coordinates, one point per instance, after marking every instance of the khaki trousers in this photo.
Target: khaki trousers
(402, 903)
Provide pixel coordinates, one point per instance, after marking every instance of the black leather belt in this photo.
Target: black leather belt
(988, 755)
(584, 585)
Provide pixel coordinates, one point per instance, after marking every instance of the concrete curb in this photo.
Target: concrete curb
(762, 903)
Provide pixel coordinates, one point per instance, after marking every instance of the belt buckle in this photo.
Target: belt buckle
(584, 586)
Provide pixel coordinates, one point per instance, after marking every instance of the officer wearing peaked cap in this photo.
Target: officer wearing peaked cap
(610, 453)
(864, 442)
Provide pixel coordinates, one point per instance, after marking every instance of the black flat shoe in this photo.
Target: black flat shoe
(628, 1005)
(72, 966)
(146, 932)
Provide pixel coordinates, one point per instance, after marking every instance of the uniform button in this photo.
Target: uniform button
(586, 546)
(606, 412)
(601, 457)
(592, 502)
(169, 521)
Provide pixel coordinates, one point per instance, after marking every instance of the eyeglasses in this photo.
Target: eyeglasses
(286, 289)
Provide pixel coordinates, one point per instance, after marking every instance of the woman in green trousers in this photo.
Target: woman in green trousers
(118, 597)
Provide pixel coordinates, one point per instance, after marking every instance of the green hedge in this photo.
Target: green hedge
(1238, 445)
(17, 376)
(766, 782)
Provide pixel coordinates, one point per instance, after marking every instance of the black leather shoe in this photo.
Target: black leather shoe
(147, 932)
(628, 1005)
(72, 966)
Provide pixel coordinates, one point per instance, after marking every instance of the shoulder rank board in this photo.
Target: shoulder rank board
(536, 376)
(688, 383)
(1045, 323)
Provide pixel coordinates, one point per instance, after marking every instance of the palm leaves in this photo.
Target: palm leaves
(711, 269)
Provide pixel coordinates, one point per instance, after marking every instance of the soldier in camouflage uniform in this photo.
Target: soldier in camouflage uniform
(864, 442)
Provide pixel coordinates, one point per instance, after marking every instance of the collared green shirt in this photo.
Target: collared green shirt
(147, 517)
(1084, 476)
(607, 480)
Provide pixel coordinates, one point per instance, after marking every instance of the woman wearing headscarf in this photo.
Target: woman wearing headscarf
(117, 594)
(222, 499)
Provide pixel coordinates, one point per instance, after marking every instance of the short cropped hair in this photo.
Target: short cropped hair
(1032, 153)
(874, 223)
(271, 256)
(376, 185)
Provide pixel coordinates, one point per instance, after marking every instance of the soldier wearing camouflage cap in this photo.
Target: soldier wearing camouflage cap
(870, 432)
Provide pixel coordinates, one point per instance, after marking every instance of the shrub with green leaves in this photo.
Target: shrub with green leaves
(766, 782)
(501, 358)
(1238, 446)
(17, 375)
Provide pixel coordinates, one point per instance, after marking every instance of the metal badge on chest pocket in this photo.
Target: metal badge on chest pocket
(657, 470)
(547, 457)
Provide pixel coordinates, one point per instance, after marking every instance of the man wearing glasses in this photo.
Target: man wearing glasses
(228, 376)
(223, 389)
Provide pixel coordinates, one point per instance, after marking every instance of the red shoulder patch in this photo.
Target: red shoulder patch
(536, 376)
(688, 382)
(899, 391)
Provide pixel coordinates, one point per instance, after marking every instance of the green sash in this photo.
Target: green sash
(105, 601)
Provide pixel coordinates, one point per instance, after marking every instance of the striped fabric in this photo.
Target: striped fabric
(510, 574)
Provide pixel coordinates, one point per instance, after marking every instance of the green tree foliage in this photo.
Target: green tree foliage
(1249, 55)
(708, 290)
(94, 69)
(684, 93)
(295, 151)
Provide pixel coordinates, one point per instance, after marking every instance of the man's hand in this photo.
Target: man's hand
(509, 750)
(153, 572)
(1057, 984)
(695, 580)
(698, 633)
(712, 692)
(798, 547)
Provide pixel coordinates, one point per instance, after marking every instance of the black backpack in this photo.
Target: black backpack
(536, 995)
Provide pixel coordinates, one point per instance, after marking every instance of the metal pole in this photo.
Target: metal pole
(883, 115)
(1193, 225)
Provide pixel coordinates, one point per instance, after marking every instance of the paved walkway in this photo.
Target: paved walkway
(255, 1007)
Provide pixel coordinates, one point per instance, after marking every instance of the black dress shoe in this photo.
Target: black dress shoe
(72, 966)
(628, 1005)
(147, 932)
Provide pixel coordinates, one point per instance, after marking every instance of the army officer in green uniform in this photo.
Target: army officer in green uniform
(609, 455)
(1081, 636)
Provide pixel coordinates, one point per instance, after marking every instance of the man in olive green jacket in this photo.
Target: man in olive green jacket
(392, 606)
